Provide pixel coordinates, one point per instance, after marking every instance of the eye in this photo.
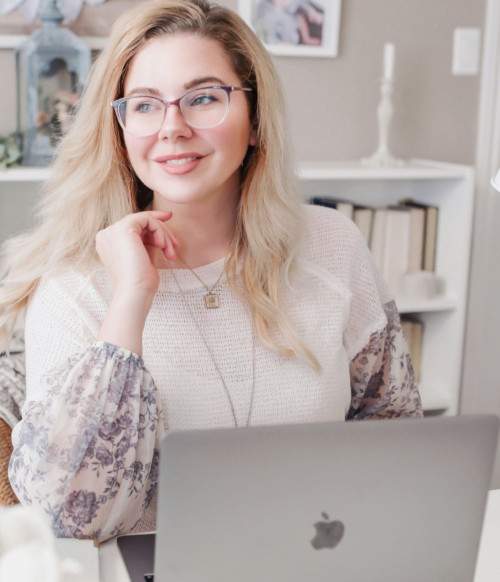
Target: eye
(202, 98)
(144, 105)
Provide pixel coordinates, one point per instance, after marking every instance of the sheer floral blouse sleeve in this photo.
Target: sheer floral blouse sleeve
(383, 384)
(87, 453)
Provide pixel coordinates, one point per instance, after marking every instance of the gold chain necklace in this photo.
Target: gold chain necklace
(214, 362)
(211, 299)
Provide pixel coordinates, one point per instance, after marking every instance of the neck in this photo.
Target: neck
(204, 233)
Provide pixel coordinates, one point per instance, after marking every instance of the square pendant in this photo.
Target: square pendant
(211, 300)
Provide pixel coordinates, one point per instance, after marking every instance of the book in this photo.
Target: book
(396, 246)
(430, 232)
(377, 237)
(341, 205)
(390, 244)
(413, 331)
(417, 239)
(363, 218)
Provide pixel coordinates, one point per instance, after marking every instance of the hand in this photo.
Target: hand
(127, 249)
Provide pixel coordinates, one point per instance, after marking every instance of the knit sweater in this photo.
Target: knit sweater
(95, 412)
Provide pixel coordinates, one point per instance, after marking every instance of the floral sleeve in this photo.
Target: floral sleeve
(87, 454)
(383, 384)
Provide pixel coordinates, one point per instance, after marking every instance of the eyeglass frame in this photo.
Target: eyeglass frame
(227, 88)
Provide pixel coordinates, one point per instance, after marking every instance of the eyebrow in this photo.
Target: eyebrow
(187, 86)
(202, 81)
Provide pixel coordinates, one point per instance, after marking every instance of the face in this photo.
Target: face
(179, 163)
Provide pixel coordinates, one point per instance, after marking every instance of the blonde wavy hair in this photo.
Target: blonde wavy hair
(92, 184)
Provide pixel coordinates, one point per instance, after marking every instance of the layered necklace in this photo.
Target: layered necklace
(212, 300)
(209, 350)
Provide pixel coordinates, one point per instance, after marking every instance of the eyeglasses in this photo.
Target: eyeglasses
(203, 108)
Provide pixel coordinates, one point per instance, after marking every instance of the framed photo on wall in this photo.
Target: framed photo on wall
(295, 27)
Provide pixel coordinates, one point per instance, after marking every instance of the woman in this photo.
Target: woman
(211, 297)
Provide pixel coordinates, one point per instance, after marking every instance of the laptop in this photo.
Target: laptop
(378, 501)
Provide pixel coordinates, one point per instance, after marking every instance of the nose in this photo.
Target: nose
(174, 125)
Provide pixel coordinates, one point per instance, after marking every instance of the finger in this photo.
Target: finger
(146, 220)
(147, 223)
(162, 238)
(169, 251)
(164, 216)
(160, 214)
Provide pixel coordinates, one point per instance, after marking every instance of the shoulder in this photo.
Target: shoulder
(331, 234)
(69, 304)
(70, 286)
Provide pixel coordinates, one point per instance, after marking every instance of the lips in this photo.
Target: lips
(180, 163)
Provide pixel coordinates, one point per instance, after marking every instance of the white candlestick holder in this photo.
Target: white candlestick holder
(382, 156)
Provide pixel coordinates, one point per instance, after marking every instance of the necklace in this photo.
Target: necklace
(211, 299)
(214, 362)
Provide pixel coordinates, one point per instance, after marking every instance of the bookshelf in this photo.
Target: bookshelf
(448, 186)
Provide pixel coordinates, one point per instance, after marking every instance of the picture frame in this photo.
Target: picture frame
(300, 28)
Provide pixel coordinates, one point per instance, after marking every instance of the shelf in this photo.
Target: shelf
(426, 305)
(321, 170)
(413, 169)
(434, 399)
(14, 41)
(25, 174)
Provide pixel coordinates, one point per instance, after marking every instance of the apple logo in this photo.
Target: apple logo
(328, 533)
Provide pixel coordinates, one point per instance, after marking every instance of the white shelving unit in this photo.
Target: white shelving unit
(448, 186)
(451, 188)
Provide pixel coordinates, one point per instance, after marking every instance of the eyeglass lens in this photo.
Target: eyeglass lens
(202, 108)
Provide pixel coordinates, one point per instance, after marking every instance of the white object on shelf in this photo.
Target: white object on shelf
(382, 156)
(420, 285)
(389, 61)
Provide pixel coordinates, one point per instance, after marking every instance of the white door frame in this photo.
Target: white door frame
(488, 143)
(481, 378)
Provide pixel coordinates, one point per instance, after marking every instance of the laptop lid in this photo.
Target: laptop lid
(375, 500)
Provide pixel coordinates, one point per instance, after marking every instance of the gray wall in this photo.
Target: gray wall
(435, 113)
(332, 102)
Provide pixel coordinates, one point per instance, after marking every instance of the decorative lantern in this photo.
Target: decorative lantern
(51, 69)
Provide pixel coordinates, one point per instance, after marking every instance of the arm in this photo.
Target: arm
(382, 380)
(86, 450)
(126, 249)
(383, 384)
(87, 453)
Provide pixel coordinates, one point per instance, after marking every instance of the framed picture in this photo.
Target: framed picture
(295, 27)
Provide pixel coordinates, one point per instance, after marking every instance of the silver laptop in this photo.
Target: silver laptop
(374, 501)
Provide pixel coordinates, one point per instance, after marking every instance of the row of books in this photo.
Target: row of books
(402, 237)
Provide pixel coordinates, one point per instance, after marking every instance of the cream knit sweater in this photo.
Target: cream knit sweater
(336, 302)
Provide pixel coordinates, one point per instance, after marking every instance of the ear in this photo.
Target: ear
(253, 137)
